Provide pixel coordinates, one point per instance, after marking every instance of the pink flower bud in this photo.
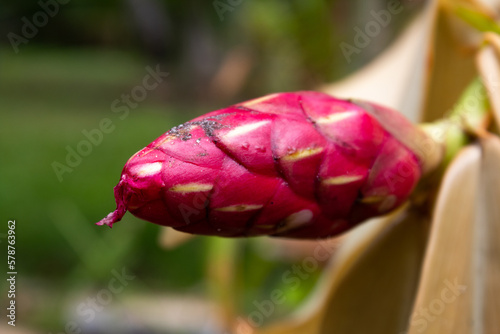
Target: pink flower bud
(300, 165)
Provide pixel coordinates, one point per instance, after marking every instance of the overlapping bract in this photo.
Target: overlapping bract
(300, 165)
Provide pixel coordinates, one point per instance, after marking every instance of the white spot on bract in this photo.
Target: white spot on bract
(148, 169)
(243, 129)
(387, 204)
(191, 187)
(297, 219)
(336, 180)
(336, 117)
(239, 207)
(302, 154)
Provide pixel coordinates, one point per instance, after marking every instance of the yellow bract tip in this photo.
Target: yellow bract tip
(336, 180)
(191, 187)
(239, 208)
(302, 154)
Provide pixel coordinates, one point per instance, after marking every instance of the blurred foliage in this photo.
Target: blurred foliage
(47, 99)
(293, 44)
(90, 53)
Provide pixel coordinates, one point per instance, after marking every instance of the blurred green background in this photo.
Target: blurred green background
(63, 81)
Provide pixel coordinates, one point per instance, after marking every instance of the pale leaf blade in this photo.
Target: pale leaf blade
(381, 285)
(398, 77)
(488, 63)
(452, 66)
(488, 216)
(444, 301)
(360, 267)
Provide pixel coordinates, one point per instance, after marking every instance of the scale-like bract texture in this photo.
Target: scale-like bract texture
(300, 165)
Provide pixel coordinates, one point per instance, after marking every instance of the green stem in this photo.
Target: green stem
(450, 135)
(468, 119)
(472, 110)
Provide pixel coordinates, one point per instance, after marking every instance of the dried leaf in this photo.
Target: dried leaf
(488, 238)
(436, 48)
(362, 283)
(488, 63)
(381, 285)
(452, 65)
(445, 297)
(398, 77)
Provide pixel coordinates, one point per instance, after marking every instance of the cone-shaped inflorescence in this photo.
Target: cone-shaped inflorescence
(300, 165)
